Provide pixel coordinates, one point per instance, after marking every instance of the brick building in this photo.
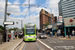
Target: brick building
(55, 19)
(44, 18)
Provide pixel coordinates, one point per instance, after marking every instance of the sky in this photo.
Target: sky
(20, 13)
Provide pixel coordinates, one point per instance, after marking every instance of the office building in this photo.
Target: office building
(67, 8)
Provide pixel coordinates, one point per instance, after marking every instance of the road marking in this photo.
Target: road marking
(37, 46)
(64, 47)
(45, 44)
(22, 46)
(17, 45)
(54, 41)
(51, 42)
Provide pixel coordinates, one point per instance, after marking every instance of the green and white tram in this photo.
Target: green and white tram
(30, 32)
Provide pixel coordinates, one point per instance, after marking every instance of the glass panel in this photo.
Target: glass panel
(30, 31)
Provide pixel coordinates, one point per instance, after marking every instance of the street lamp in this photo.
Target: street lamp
(51, 19)
(8, 14)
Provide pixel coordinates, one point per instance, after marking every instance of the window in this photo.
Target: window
(46, 12)
(30, 31)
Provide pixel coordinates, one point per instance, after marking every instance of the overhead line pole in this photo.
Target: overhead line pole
(29, 10)
(5, 21)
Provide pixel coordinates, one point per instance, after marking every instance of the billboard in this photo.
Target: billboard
(60, 19)
(69, 21)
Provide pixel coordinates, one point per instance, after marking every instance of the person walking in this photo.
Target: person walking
(63, 34)
(73, 32)
(9, 37)
(58, 32)
(69, 34)
(51, 33)
(16, 35)
(55, 34)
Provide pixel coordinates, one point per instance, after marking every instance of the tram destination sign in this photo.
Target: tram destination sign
(8, 23)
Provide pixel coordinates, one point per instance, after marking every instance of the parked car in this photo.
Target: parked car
(42, 35)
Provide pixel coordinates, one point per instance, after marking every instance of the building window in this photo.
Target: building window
(46, 12)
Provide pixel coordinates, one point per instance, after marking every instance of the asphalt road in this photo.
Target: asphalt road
(59, 44)
(52, 43)
(32, 46)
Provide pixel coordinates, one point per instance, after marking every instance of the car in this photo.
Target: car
(42, 35)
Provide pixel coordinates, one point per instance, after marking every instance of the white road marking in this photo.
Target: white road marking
(51, 41)
(54, 42)
(17, 45)
(45, 45)
(64, 47)
(61, 41)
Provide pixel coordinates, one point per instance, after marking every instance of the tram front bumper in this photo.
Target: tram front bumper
(30, 39)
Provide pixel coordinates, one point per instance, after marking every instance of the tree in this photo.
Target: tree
(47, 23)
(13, 29)
(1, 27)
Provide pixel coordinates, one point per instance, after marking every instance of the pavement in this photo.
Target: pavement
(11, 45)
(61, 37)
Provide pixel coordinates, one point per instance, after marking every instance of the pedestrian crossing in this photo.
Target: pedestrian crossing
(53, 41)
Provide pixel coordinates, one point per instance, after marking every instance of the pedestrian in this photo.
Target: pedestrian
(51, 33)
(69, 34)
(16, 35)
(58, 32)
(73, 32)
(63, 34)
(55, 34)
(21, 34)
(9, 37)
(4, 35)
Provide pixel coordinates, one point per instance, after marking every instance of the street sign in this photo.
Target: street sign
(8, 23)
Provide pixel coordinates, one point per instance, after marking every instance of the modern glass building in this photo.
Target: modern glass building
(67, 8)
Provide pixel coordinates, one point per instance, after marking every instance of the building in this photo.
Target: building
(67, 11)
(55, 19)
(44, 18)
(67, 8)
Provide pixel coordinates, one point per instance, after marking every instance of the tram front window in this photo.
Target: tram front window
(29, 31)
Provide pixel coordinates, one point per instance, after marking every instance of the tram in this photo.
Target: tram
(30, 32)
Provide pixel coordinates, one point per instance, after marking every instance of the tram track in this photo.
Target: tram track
(27, 46)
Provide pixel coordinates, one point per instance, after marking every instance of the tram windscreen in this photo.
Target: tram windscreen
(30, 31)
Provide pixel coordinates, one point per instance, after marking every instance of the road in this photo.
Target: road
(32, 46)
(59, 44)
(49, 43)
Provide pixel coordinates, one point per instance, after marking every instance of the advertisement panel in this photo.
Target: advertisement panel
(60, 19)
(69, 21)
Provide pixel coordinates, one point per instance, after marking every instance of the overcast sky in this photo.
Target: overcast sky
(19, 13)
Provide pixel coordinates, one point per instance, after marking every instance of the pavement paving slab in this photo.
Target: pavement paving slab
(10, 45)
